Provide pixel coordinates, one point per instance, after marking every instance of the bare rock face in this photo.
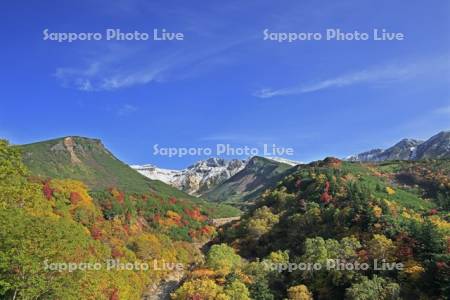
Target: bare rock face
(69, 143)
(196, 179)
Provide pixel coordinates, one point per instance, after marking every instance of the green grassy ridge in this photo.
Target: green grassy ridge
(405, 197)
(366, 174)
(99, 169)
(436, 165)
(249, 183)
(417, 183)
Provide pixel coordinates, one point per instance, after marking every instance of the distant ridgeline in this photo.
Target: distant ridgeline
(436, 147)
(241, 183)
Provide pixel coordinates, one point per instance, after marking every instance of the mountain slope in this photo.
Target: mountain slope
(403, 150)
(88, 160)
(349, 212)
(436, 147)
(153, 172)
(259, 174)
(196, 179)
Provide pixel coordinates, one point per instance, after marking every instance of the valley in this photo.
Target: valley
(225, 150)
(238, 227)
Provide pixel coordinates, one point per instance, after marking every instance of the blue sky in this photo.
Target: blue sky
(223, 83)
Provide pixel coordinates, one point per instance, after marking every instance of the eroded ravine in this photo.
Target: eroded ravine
(163, 289)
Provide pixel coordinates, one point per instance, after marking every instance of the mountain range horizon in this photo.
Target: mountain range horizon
(352, 157)
(213, 178)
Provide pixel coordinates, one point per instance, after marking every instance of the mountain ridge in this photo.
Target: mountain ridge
(88, 160)
(259, 174)
(203, 176)
(437, 146)
(196, 179)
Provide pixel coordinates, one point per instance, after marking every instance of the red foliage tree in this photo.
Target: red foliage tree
(126, 227)
(116, 253)
(327, 186)
(441, 265)
(405, 246)
(114, 295)
(47, 190)
(326, 197)
(96, 233)
(75, 198)
(363, 255)
(195, 214)
(433, 212)
(156, 218)
(206, 230)
(117, 194)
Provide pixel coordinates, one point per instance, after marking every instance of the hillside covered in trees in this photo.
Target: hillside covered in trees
(61, 240)
(326, 230)
(337, 230)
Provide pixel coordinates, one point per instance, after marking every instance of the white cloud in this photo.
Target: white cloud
(109, 74)
(126, 110)
(386, 74)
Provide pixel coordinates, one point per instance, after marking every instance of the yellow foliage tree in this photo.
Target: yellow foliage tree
(205, 289)
(390, 191)
(380, 247)
(299, 292)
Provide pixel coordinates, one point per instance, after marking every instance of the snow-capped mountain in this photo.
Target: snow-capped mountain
(403, 150)
(371, 155)
(196, 179)
(438, 146)
(202, 176)
(205, 174)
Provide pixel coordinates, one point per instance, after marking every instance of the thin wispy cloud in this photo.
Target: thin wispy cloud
(126, 64)
(124, 67)
(112, 68)
(78, 79)
(378, 75)
(126, 110)
(445, 110)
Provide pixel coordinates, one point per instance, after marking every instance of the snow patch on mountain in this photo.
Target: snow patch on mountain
(165, 175)
(284, 160)
(196, 179)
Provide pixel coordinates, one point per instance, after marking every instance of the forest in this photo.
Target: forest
(330, 229)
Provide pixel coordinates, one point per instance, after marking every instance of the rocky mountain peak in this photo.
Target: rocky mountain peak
(197, 178)
(438, 146)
